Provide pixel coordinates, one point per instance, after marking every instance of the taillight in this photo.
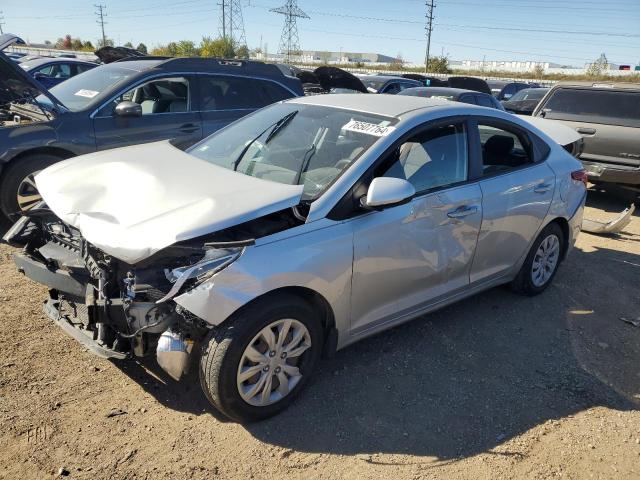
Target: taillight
(580, 176)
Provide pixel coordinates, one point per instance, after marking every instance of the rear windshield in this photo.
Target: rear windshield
(609, 107)
(529, 94)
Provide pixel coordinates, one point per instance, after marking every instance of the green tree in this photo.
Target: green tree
(242, 52)
(88, 46)
(438, 65)
(599, 67)
(220, 47)
(76, 44)
(108, 42)
(128, 45)
(142, 48)
(186, 48)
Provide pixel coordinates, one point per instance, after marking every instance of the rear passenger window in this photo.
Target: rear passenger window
(503, 149)
(611, 107)
(238, 93)
(434, 159)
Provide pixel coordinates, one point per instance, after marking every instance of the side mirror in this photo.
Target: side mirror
(128, 109)
(386, 192)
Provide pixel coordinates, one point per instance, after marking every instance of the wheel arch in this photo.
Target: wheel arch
(563, 223)
(62, 153)
(313, 298)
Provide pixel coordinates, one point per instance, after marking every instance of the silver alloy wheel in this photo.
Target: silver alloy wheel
(268, 369)
(545, 260)
(27, 194)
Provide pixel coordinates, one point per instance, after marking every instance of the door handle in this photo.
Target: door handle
(586, 131)
(189, 128)
(462, 212)
(542, 188)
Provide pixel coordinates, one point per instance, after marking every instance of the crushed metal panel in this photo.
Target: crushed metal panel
(132, 202)
(613, 226)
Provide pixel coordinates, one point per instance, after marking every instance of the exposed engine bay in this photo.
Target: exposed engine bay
(118, 310)
(18, 114)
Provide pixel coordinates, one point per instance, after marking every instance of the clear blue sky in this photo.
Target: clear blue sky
(562, 31)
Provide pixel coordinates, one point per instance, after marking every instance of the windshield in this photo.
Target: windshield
(80, 91)
(294, 144)
(529, 94)
(372, 83)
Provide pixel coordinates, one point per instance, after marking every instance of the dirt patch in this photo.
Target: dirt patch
(498, 386)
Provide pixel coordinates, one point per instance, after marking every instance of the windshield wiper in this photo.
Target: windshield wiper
(305, 163)
(274, 127)
(280, 124)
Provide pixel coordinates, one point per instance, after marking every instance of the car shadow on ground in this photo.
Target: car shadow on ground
(464, 379)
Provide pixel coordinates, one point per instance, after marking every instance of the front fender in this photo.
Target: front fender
(319, 259)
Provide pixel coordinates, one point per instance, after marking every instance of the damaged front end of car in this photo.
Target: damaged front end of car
(114, 309)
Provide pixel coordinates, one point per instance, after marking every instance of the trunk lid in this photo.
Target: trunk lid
(132, 202)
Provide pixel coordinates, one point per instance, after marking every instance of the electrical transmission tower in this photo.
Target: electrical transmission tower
(289, 41)
(100, 13)
(1, 22)
(231, 22)
(429, 29)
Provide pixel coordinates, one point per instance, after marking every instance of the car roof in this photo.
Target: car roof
(600, 85)
(385, 105)
(442, 90)
(383, 77)
(41, 61)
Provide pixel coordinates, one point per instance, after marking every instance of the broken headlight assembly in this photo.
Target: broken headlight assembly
(218, 257)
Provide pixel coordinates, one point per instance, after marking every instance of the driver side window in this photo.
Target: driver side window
(166, 95)
(433, 159)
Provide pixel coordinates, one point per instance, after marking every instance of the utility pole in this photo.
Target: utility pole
(429, 28)
(289, 40)
(1, 22)
(100, 13)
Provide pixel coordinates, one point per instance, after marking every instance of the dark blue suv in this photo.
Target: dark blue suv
(123, 103)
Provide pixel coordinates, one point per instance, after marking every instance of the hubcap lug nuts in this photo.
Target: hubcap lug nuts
(283, 355)
(272, 353)
(278, 370)
(266, 369)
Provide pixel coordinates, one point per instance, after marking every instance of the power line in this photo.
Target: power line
(290, 41)
(100, 13)
(429, 28)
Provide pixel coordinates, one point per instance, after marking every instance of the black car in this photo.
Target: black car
(387, 83)
(504, 90)
(122, 103)
(455, 95)
(525, 101)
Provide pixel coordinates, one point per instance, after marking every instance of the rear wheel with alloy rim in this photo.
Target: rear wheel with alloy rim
(542, 262)
(253, 366)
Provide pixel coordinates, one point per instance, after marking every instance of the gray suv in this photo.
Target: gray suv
(608, 117)
(123, 103)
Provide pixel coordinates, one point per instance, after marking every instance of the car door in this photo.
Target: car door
(408, 256)
(608, 120)
(517, 189)
(167, 113)
(223, 99)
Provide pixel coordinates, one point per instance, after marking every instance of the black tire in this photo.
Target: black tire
(13, 176)
(223, 348)
(523, 283)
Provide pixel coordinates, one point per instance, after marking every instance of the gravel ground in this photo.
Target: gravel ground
(498, 386)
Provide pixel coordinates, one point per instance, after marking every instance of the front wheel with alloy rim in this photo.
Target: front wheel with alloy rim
(18, 192)
(542, 262)
(253, 366)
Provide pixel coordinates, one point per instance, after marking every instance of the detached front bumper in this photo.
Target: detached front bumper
(71, 322)
(619, 174)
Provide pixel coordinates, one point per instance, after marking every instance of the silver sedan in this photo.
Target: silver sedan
(298, 230)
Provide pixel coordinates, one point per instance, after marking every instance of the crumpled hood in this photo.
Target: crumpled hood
(134, 201)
